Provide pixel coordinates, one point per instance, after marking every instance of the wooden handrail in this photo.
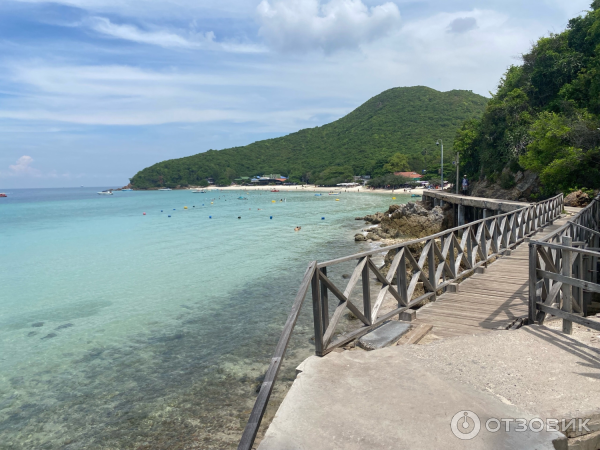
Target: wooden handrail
(559, 264)
(266, 388)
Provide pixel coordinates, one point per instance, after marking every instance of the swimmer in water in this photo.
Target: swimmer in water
(297, 229)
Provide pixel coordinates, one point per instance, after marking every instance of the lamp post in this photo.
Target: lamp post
(442, 159)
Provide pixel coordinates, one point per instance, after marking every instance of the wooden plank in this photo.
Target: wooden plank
(570, 317)
(566, 288)
(418, 334)
(588, 286)
(355, 276)
(341, 297)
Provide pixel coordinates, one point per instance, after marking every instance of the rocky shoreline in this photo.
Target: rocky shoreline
(402, 222)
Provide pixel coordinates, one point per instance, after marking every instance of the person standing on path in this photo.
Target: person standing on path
(465, 185)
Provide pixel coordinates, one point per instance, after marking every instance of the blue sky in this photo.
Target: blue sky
(91, 91)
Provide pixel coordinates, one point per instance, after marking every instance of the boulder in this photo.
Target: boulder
(375, 218)
(359, 237)
(413, 220)
(577, 199)
(373, 236)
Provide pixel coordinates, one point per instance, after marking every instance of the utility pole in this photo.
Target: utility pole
(442, 159)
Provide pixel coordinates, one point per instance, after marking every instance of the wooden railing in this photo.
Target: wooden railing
(563, 270)
(444, 258)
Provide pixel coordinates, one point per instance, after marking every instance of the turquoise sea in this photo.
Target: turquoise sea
(120, 330)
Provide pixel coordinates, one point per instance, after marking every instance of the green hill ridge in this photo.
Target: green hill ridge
(405, 120)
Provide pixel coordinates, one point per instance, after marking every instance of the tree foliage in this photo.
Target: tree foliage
(545, 114)
(397, 163)
(400, 120)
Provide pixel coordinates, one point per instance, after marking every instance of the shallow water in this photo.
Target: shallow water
(120, 330)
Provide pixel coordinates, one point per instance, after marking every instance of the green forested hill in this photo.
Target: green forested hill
(401, 120)
(545, 115)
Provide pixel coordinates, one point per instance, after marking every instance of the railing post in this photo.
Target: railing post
(566, 288)
(432, 276)
(452, 256)
(324, 302)
(401, 277)
(366, 285)
(317, 313)
(532, 282)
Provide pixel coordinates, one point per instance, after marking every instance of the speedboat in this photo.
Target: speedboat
(334, 193)
(198, 191)
(165, 189)
(127, 189)
(105, 193)
(2, 194)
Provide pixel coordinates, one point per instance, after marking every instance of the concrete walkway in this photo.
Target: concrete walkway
(405, 397)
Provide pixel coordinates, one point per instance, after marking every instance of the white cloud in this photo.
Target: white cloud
(166, 38)
(160, 37)
(305, 25)
(23, 167)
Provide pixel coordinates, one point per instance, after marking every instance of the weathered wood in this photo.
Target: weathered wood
(418, 334)
(591, 287)
(569, 317)
(366, 285)
(566, 288)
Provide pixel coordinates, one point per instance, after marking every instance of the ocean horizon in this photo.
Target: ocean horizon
(132, 331)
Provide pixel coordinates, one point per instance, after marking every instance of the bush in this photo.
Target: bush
(507, 180)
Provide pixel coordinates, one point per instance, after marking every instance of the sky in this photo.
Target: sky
(92, 91)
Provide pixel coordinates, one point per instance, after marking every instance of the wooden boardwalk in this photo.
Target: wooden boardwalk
(489, 301)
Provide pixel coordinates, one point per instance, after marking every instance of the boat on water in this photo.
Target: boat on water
(109, 192)
(165, 189)
(318, 195)
(198, 191)
(415, 195)
(2, 194)
(127, 189)
(242, 198)
(334, 193)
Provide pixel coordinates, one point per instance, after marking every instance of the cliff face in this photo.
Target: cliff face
(520, 186)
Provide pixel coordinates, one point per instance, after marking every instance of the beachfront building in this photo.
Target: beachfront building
(410, 175)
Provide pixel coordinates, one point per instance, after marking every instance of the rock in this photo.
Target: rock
(37, 324)
(375, 218)
(66, 325)
(413, 220)
(527, 183)
(373, 236)
(359, 237)
(577, 199)
(359, 218)
(31, 333)
(49, 336)
(345, 276)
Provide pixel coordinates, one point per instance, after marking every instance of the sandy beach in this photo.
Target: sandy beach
(311, 188)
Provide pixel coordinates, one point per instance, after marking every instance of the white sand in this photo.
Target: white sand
(311, 188)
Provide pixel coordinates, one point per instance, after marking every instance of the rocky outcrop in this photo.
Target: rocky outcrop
(522, 186)
(577, 198)
(412, 220)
